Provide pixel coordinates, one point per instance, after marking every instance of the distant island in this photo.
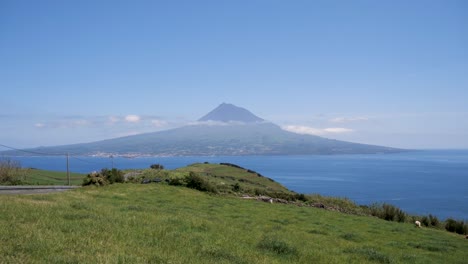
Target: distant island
(228, 130)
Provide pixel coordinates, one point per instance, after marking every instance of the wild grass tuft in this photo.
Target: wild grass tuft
(275, 245)
(433, 247)
(351, 237)
(317, 232)
(371, 254)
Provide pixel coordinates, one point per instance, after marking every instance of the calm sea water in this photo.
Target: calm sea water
(419, 182)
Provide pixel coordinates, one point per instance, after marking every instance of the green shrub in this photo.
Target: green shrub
(425, 221)
(113, 175)
(157, 167)
(197, 182)
(259, 192)
(236, 187)
(96, 179)
(300, 197)
(280, 195)
(387, 212)
(104, 177)
(374, 210)
(429, 221)
(176, 181)
(434, 221)
(10, 172)
(459, 227)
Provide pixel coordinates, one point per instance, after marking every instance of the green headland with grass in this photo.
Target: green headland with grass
(165, 222)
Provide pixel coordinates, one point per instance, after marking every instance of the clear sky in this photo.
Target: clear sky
(392, 73)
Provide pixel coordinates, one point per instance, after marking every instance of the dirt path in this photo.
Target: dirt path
(34, 189)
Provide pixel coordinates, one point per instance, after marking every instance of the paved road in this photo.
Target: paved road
(34, 189)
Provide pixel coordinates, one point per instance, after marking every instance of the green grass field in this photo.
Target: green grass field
(158, 223)
(43, 177)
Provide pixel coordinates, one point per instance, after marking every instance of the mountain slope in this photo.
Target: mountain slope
(246, 135)
(226, 140)
(230, 113)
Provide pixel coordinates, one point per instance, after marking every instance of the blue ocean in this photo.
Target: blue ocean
(420, 182)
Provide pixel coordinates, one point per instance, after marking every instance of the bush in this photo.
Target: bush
(197, 182)
(387, 212)
(459, 227)
(104, 177)
(10, 172)
(425, 221)
(259, 192)
(157, 167)
(176, 181)
(96, 179)
(300, 197)
(236, 187)
(434, 221)
(430, 220)
(113, 175)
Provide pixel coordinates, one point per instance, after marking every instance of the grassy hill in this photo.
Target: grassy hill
(223, 176)
(158, 223)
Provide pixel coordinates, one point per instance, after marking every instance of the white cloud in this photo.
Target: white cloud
(338, 130)
(113, 119)
(158, 123)
(132, 118)
(39, 125)
(348, 119)
(128, 133)
(305, 130)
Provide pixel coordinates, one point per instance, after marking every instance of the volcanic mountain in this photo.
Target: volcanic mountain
(231, 113)
(227, 130)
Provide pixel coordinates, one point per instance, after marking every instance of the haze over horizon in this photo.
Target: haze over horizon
(384, 73)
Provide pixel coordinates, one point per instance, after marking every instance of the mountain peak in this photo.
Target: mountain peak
(229, 112)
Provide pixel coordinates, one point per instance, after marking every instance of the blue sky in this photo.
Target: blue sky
(391, 73)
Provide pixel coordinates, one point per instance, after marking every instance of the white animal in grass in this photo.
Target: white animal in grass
(417, 224)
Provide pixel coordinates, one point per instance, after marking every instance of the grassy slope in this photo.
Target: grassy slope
(221, 176)
(156, 223)
(226, 175)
